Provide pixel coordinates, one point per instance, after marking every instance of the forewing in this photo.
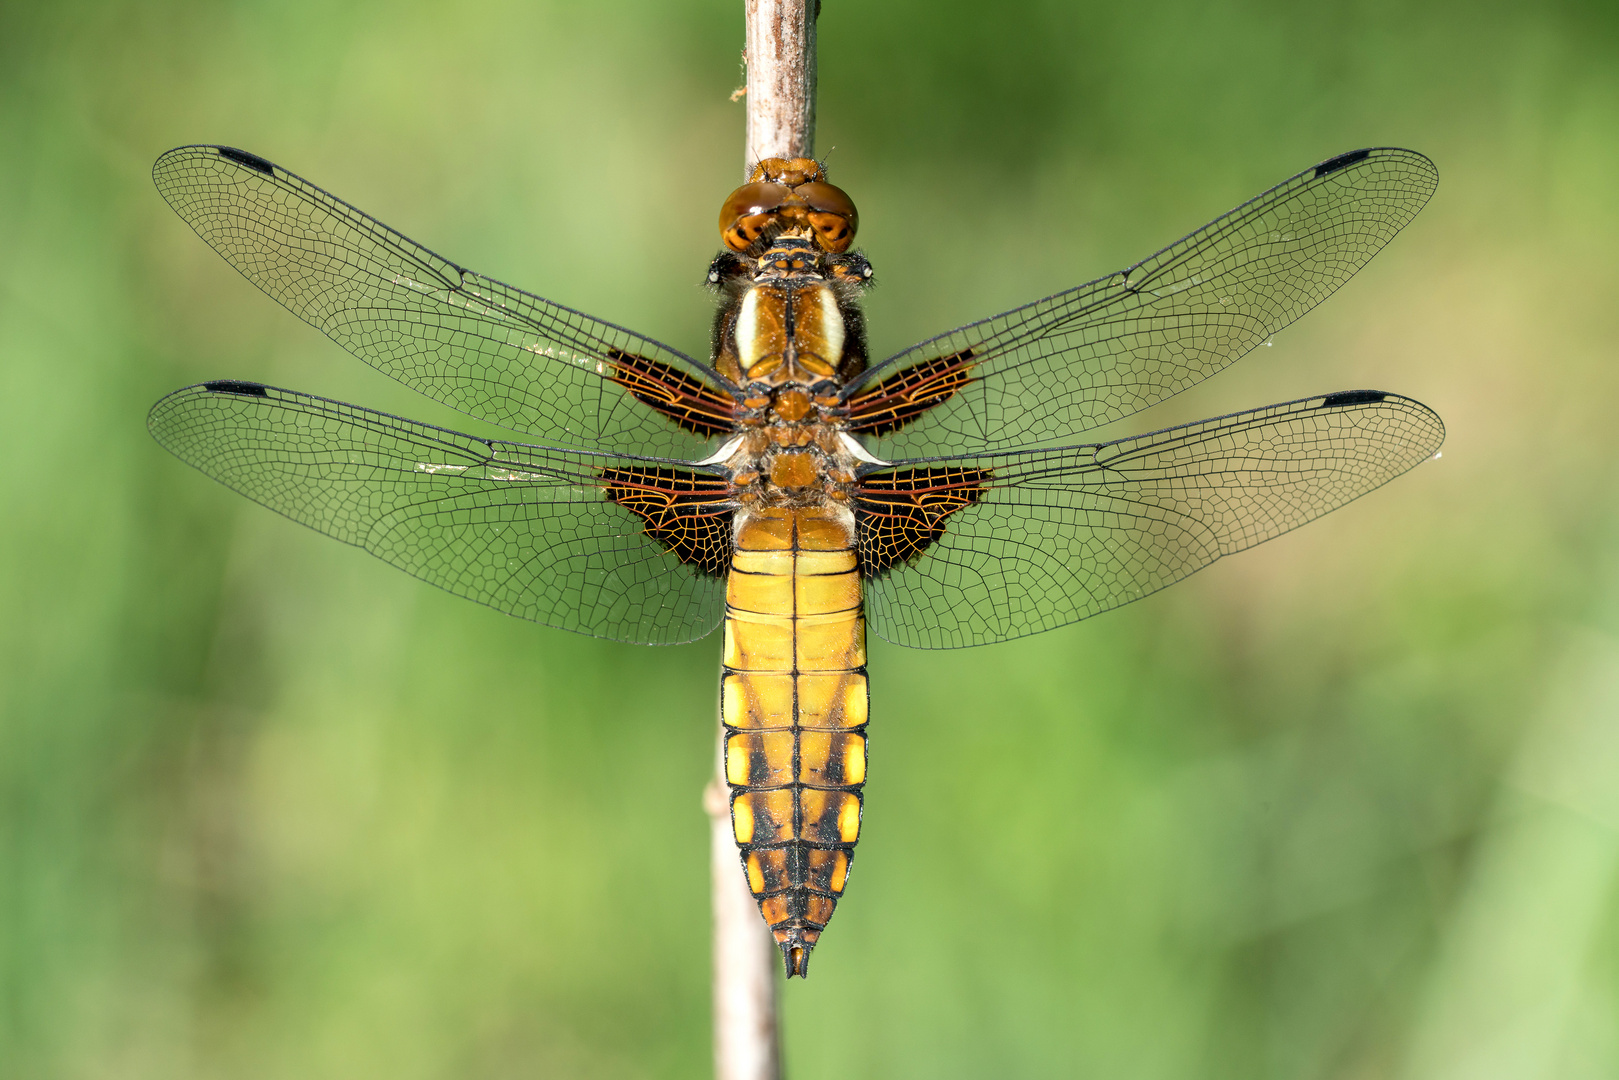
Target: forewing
(473, 343)
(1041, 539)
(561, 537)
(1043, 373)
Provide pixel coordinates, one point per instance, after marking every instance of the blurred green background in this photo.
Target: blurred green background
(1346, 806)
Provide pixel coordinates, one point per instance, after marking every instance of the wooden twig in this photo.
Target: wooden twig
(746, 1032)
(781, 79)
(780, 57)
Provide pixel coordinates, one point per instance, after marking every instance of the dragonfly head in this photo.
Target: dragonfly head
(788, 197)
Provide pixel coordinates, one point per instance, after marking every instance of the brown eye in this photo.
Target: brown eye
(751, 199)
(833, 232)
(828, 199)
(745, 230)
(831, 214)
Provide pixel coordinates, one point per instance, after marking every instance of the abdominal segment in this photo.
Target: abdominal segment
(793, 700)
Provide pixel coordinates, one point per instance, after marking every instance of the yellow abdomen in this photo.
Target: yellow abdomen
(793, 700)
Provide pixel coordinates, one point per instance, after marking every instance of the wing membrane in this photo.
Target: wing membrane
(473, 343)
(527, 530)
(1042, 373)
(1059, 535)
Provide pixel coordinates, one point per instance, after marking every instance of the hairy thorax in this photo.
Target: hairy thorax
(789, 331)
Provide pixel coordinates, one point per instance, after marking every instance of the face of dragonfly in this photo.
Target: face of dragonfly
(788, 486)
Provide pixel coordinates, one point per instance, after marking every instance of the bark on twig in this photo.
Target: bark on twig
(781, 79)
(746, 1044)
(780, 36)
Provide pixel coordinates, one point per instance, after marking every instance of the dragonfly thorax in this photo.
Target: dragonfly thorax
(790, 316)
(788, 333)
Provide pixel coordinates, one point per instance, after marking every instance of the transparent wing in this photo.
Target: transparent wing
(487, 349)
(526, 530)
(1042, 373)
(1059, 535)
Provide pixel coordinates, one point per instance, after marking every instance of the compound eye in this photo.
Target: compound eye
(828, 199)
(831, 214)
(834, 232)
(746, 206)
(744, 231)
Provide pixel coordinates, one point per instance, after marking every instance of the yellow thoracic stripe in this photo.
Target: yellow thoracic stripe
(793, 700)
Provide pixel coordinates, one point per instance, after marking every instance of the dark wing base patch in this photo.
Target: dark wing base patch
(906, 395)
(503, 355)
(690, 515)
(687, 401)
(899, 515)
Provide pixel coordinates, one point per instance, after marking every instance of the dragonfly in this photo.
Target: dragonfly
(788, 488)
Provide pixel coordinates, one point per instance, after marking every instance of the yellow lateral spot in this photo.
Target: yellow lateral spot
(840, 871)
(756, 874)
(854, 760)
(849, 820)
(824, 593)
(742, 819)
(856, 701)
(737, 705)
(834, 642)
(737, 754)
